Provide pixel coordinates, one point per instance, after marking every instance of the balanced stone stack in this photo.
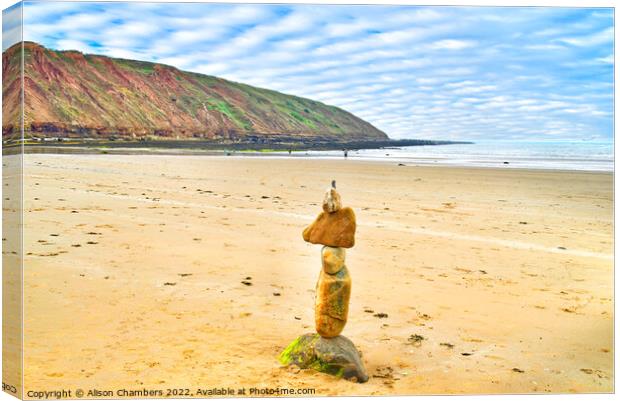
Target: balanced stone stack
(326, 350)
(335, 230)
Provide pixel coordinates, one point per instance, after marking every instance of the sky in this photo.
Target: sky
(454, 73)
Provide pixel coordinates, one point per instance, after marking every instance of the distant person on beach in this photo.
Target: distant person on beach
(346, 153)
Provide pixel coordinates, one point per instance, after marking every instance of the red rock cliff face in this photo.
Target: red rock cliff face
(11, 94)
(68, 93)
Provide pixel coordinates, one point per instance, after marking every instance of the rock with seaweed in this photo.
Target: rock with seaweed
(336, 356)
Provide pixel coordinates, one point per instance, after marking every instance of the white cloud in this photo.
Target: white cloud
(452, 44)
(597, 38)
(70, 44)
(545, 47)
(606, 60)
(11, 26)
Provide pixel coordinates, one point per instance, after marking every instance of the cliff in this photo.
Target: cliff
(71, 94)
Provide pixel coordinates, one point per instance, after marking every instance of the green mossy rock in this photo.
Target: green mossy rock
(335, 356)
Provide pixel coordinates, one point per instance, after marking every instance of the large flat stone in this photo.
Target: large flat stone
(333, 229)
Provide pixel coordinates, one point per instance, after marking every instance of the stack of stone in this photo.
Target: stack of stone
(327, 351)
(335, 230)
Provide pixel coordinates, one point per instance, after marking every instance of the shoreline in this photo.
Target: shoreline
(429, 161)
(282, 144)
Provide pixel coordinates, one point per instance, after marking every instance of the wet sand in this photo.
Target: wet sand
(135, 264)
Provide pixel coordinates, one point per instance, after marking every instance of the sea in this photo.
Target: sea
(565, 155)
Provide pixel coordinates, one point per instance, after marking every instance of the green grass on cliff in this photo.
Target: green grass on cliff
(231, 112)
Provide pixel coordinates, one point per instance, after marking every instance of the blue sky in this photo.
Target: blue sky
(415, 72)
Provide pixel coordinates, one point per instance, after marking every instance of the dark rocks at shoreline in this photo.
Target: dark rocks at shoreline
(70, 145)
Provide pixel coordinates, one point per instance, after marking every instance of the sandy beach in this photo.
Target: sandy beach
(134, 268)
